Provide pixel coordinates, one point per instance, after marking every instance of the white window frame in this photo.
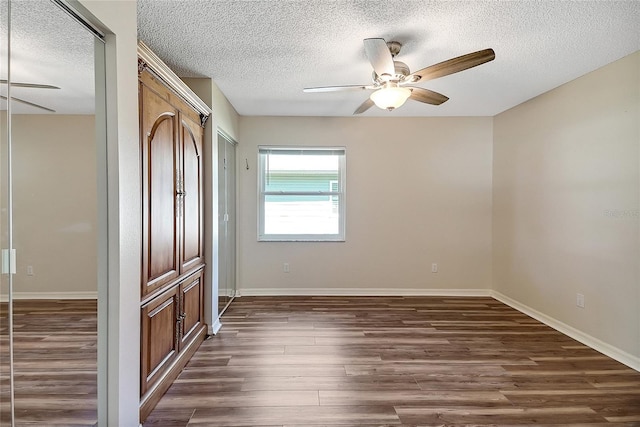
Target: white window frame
(334, 199)
(340, 195)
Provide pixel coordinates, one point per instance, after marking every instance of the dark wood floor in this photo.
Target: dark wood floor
(55, 363)
(336, 361)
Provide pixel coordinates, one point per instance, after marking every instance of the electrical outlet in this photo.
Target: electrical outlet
(434, 268)
(29, 270)
(285, 267)
(580, 300)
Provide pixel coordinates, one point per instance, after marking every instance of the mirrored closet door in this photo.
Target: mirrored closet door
(51, 152)
(5, 344)
(226, 221)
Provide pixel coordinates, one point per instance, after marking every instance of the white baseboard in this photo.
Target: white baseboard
(586, 339)
(370, 292)
(51, 295)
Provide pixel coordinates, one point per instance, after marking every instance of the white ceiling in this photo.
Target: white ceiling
(263, 53)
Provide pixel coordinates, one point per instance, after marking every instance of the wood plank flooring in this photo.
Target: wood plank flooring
(55, 363)
(336, 361)
(369, 361)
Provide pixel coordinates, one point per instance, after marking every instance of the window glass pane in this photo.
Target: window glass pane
(301, 193)
(300, 172)
(289, 214)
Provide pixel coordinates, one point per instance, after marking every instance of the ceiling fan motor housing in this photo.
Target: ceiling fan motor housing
(401, 71)
(394, 48)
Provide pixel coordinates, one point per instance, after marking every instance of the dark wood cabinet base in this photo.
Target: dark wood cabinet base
(155, 393)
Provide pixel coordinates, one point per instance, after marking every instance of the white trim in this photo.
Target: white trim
(213, 329)
(586, 339)
(263, 152)
(51, 295)
(382, 292)
(163, 71)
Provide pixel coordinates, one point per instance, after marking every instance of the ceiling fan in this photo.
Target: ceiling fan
(31, 86)
(391, 78)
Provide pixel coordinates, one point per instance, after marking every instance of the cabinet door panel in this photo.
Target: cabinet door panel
(159, 337)
(192, 308)
(192, 173)
(160, 261)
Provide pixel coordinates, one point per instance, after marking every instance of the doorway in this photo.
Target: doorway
(226, 221)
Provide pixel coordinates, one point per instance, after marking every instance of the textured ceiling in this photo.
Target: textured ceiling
(263, 53)
(48, 47)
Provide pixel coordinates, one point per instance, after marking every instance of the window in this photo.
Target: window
(301, 194)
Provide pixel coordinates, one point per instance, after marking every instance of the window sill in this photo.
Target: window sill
(270, 239)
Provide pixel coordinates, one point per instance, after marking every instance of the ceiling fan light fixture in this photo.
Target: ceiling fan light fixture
(391, 96)
(390, 77)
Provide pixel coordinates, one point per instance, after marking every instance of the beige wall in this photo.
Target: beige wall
(54, 170)
(565, 203)
(224, 115)
(418, 192)
(225, 118)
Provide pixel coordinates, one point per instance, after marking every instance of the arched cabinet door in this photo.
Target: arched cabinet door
(191, 187)
(172, 121)
(160, 222)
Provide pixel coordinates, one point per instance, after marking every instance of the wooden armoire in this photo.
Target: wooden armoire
(172, 120)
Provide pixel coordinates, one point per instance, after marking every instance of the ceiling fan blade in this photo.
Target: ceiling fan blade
(30, 85)
(427, 96)
(380, 57)
(455, 65)
(337, 88)
(22, 101)
(364, 106)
